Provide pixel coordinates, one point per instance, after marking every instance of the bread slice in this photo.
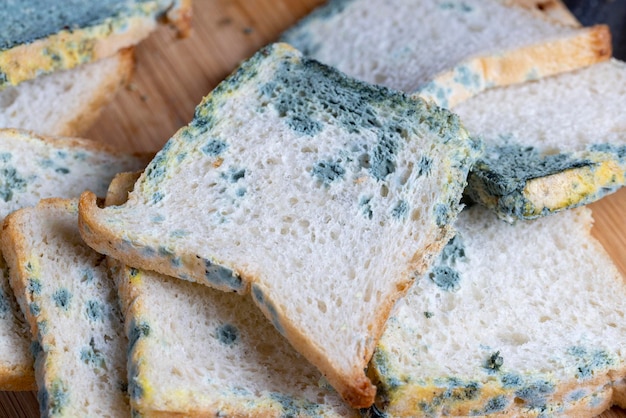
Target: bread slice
(71, 305)
(446, 51)
(31, 168)
(230, 361)
(65, 103)
(551, 144)
(513, 320)
(293, 176)
(40, 37)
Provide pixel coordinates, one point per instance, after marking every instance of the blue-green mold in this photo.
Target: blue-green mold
(267, 306)
(11, 182)
(62, 298)
(137, 331)
(494, 362)
(228, 334)
(326, 172)
(221, 276)
(5, 304)
(401, 210)
(92, 356)
(494, 405)
(467, 78)
(446, 278)
(34, 286)
(34, 308)
(511, 381)
(214, 147)
(535, 394)
(94, 310)
(590, 361)
(424, 166)
(366, 207)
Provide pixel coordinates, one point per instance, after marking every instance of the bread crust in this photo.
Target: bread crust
(585, 47)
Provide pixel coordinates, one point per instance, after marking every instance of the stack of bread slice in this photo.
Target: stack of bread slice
(300, 247)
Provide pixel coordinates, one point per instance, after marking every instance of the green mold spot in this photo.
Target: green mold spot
(535, 394)
(214, 147)
(34, 308)
(326, 172)
(91, 356)
(59, 397)
(5, 304)
(62, 299)
(453, 251)
(221, 276)
(228, 334)
(590, 361)
(366, 207)
(446, 278)
(137, 331)
(424, 165)
(511, 381)
(467, 78)
(494, 405)
(401, 210)
(94, 310)
(233, 175)
(267, 306)
(443, 214)
(494, 362)
(10, 183)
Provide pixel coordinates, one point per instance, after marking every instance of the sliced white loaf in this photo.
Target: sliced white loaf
(298, 184)
(513, 320)
(446, 50)
(42, 36)
(65, 103)
(71, 305)
(551, 144)
(32, 168)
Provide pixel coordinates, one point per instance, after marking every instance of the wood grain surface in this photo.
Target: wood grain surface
(173, 75)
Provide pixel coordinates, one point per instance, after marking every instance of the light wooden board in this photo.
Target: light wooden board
(173, 75)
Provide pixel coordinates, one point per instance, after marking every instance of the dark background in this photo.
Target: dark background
(611, 12)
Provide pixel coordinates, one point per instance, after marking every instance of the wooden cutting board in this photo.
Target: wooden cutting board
(173, 75)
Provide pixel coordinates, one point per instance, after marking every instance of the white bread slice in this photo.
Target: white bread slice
(31, 168)
(70, 302)
(65, 103)
(551, 144)
(228, 359)
(514, 320)
(447, 50)
(40, 36)
(294, 176)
